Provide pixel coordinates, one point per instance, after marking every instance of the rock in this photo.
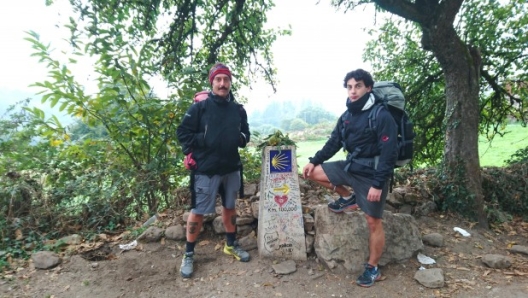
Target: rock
(390, 208)
(400, 191)
(425, 208)
(405, 209)
(394, 199)
(286, 267)
(244, 230)
(218, 225)
(430, 278)
(250, 189)
(185, 216)
(255, 209)
(176, 232)
(45, 259)
(497, 261)
(309, 239)
(411, 198)
(152, 234)
(254, 198)
(240, 221)
(303, 186)
(74, 239)
(209, 217)
(248, 242)
(519, 249)
(433, 239)
(308, 222)
(344, 238)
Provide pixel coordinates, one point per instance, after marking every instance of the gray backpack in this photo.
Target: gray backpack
(390, 96)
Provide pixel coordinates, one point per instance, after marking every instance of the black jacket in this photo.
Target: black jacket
(213, 130)
(359, 138)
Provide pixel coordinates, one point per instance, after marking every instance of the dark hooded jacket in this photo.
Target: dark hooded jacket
(353, 133)
(213, 130)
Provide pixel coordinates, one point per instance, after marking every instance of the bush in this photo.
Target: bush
(505, 190)
(520, 156)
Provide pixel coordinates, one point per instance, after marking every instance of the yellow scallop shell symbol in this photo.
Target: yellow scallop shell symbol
(279, 161)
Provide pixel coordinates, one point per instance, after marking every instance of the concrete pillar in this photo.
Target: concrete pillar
(280, 227)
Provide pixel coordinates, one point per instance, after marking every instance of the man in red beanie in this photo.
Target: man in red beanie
(213, 130)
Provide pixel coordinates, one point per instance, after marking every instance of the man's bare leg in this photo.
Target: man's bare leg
(376, 239)
(320, 177)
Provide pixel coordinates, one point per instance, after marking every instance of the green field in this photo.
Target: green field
(491, 154)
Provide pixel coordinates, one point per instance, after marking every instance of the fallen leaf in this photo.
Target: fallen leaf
(218, 246)
(520, 273)
(486, 273)
(19, 235)
(241, 273)
(162, 241)
(463, 268)
(203, 243)
(66, 288)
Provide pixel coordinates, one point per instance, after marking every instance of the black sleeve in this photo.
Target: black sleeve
(188, 132)
(387, 134)
(244, 128)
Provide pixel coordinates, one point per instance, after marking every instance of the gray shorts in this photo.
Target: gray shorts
(335, 172)
(206, 188)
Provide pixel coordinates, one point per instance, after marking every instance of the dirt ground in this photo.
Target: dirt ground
(152, 270)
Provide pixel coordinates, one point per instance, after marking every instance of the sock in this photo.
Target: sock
(374, 268)
(231, 237)
(348, 198)
(189, 246)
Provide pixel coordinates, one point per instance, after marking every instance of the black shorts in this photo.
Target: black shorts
(335, 172)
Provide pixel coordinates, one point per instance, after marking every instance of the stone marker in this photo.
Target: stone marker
(281, 227)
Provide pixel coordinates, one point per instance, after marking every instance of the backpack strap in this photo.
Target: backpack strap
(373, 115)
(344, 118)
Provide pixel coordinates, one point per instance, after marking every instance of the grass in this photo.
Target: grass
(496, 152)
(493, 153)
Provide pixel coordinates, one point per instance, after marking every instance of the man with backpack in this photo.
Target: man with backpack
(372, 154)
(213, 130)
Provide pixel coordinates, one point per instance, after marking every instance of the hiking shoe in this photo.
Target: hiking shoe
(237, 252)
(341, 205)
(186, 268)
(369, 276)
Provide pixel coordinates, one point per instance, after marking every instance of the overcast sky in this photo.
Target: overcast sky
(311, 63)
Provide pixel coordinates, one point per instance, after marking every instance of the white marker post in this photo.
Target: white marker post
(280, 227)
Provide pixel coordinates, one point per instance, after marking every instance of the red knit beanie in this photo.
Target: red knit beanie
(218, 68)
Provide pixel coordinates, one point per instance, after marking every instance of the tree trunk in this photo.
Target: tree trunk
(461, 66)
